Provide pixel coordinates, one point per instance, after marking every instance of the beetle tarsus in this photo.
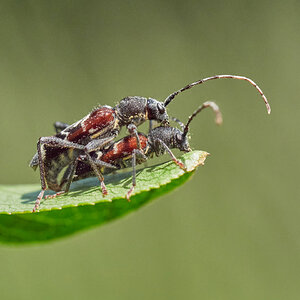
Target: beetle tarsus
(128, 195)
(54, 195)
(38, 201)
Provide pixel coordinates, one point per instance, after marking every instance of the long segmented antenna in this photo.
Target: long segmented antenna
(178, 122)
(172, 96)
(213, 106)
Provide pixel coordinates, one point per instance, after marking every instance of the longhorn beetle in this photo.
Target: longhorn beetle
(159, 141)
(99, 129)
(126, 152)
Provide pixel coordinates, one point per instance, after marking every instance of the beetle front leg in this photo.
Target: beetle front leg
(55, 195)
(176, 161)
(133, 131)
(98, 144)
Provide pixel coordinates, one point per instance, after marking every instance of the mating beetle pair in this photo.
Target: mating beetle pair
(96, 132)
(125, 152)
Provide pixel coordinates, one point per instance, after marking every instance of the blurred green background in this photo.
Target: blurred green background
(232, 232)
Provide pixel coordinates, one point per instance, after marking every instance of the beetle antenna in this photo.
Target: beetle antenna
(178, 122)
(172, 96)
(213, 106)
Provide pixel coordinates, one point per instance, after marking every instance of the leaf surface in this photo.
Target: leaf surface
(84, 206)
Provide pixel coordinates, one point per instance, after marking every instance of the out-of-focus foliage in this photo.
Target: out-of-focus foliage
(233, 231)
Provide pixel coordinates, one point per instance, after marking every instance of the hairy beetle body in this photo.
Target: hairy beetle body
(98, 130)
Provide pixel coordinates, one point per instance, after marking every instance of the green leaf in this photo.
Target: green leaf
(84, 206)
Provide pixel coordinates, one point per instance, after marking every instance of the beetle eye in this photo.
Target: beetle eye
(179, 137)
(161, 108)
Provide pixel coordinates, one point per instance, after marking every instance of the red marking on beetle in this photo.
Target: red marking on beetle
(124, 148)
(97, 120)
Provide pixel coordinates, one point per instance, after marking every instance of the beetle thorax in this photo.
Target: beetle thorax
(132, 110)
(171, 136)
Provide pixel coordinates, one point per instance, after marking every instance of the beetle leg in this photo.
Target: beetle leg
(98, 174)
(133, 131)
(141, 155)
(67, 177)
(99, 143)
(101, 163)
(42, 177)
(97, 162)
(54, 195)
(176, 161)
(38, 200)
(150, 125)
(55, 143)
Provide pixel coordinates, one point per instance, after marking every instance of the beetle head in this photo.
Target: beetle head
(180, 140)
(157, 111)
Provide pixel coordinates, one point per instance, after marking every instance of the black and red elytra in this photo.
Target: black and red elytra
(125, 152)
(99, 122)
(99, 129)
(133, 111)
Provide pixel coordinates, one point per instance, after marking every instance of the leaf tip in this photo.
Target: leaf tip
(196, 159)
